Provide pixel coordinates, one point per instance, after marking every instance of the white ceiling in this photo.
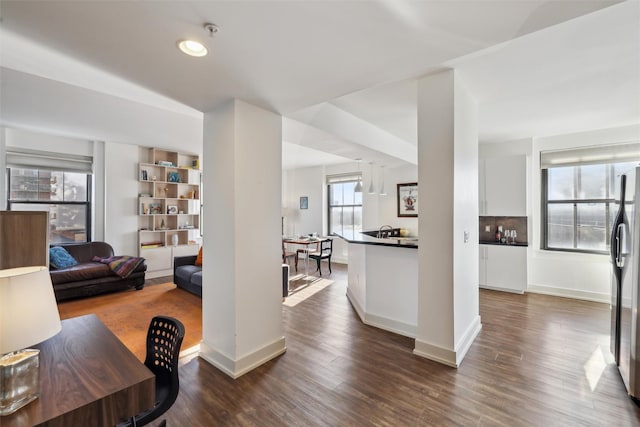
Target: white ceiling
(583, 74)
(530, 75)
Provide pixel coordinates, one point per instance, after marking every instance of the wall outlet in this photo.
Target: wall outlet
(487, 228)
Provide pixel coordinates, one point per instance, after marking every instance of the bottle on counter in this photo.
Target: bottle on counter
(498, 234)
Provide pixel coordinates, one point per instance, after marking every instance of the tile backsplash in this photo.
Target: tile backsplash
(518, 223)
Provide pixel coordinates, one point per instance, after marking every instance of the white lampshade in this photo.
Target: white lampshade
(371, 189)
(358, 187)
(28, 310)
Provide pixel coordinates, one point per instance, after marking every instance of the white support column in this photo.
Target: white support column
(242, 288)
(448, 305)
(3, 168)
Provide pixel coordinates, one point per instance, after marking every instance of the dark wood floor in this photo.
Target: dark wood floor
(539, 360)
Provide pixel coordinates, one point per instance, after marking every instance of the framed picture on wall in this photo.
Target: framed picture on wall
(408, 199)
(304, 202)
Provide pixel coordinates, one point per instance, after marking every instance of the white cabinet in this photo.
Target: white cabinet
(160, 260)
(503, 267)
(503, 186)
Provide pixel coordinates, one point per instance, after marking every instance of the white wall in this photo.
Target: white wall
(388, 205)
(48, 142)
(506, 149)
(3, 166)
(99, 193)
(121, 197)
(304, 182)
(584, 276)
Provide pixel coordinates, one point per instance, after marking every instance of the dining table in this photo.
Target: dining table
(306, 242)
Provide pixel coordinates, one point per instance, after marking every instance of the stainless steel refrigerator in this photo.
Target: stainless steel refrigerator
(625, 262)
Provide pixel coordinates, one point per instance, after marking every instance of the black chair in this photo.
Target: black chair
(326, 247)
(164, 339)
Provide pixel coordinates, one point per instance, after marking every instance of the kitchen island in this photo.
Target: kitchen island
(383, 281)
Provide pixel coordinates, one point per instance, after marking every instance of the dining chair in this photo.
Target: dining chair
(308, 249)
(164, 339)
(326, 248)
(286, 255)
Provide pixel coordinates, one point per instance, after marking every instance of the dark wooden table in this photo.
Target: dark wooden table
(87, 378)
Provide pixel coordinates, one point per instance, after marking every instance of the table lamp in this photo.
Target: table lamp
(28, 316)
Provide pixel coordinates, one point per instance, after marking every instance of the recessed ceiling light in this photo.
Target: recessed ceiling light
(192, 48)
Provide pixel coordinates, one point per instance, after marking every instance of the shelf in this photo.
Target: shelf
(167, 229)
(168, 199)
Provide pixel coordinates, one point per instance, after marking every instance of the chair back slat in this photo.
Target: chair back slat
(164, 339)
(326, 246)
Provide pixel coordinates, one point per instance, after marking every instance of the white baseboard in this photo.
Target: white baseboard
(339, 260)
(495, 288)
(356, 305)
(158, 273)
(390, 325)
(446, 356)
(570, 293)
(435, 353)
(237, 368)
(467, 339)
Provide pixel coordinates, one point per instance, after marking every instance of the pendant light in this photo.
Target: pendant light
(358, 187)
(371, 189)
(382, 192)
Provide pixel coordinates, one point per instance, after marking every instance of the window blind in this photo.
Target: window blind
(615, 153)
(347, 177)
(45, 160)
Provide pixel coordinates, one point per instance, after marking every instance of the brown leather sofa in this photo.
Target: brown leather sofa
(89, 277)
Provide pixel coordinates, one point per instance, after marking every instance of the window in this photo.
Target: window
(345, 204)
(578, 196)
(65, 195)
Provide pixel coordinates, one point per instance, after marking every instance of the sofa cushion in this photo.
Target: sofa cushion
(84, 271)
(196, 279)
(185, 272)
(85, 251)
(60, 258)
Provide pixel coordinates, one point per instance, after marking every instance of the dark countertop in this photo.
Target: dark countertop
(505, 244)
(363, 239)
